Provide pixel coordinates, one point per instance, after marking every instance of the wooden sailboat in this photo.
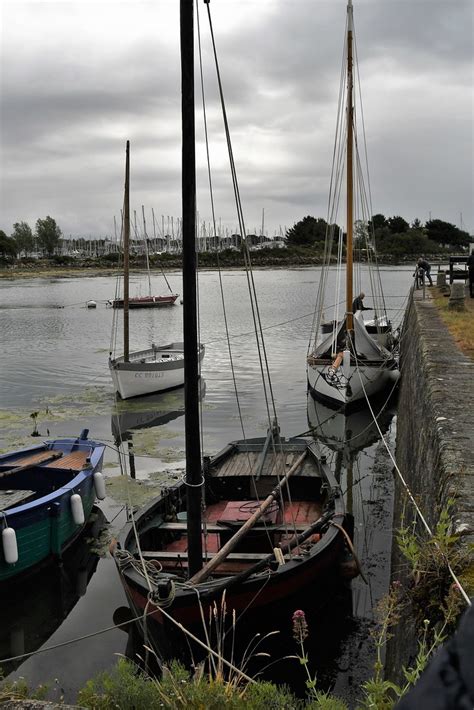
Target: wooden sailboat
(255, 541)
(349, 360)
(159, 367)
(150, 300)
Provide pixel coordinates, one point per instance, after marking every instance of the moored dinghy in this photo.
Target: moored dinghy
(46, 496)
(349, 360)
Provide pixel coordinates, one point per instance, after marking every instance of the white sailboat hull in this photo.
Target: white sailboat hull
(361, 382)
(157, 369)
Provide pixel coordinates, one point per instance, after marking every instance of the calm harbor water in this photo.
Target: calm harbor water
(54, 362)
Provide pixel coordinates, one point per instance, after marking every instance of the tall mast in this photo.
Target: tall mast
(126, 246)
(191, 363)
(349, 176)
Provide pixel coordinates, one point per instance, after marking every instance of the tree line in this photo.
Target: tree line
(46, 237)
(392, 236)
(388, 235)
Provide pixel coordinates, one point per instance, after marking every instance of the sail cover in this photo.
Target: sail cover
(366, 347)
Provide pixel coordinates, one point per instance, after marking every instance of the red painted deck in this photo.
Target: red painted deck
(296, 512)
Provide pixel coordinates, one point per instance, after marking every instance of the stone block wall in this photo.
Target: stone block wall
(435, 446)
(435, 426)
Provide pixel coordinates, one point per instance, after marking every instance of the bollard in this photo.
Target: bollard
(457, 297)
(441, 281)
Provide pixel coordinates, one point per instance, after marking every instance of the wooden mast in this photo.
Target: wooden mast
(349, 176)
(191, 364)
(126, 246)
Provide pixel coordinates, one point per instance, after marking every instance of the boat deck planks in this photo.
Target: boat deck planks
(74, 461)
(245, 463)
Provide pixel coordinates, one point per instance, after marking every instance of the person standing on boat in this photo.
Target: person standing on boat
(470, 266)
(358, 303)
(423, 264)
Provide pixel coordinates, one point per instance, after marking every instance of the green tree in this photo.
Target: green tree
(307, 232)
(7, 247)
(397, 225)
(48, 234)
(378, 221)
(23, 236)
(446, 233)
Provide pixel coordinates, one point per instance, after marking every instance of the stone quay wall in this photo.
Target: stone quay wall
(435, 447)
(435, 425)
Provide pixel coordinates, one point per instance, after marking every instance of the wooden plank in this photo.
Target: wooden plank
(49, 456)
(227, 467)
(10, 499)
(211, 528)
(26, 459)
(165, 555)
(74, 461)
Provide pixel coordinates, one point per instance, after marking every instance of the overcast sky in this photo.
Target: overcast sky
(80, 78)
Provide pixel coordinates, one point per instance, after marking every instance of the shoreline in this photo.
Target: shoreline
(63, 271)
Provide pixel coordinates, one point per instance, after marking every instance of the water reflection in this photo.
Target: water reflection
(149, 411)
(360, 461)
(352, 432)
(38, 607)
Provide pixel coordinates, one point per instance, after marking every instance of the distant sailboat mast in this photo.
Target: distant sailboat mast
(349, 176)
(145, 240)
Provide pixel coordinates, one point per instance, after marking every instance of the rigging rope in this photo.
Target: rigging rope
(260, 342)
(409, 493)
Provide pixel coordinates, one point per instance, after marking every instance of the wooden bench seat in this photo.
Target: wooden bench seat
(213, 528)
(177, 555)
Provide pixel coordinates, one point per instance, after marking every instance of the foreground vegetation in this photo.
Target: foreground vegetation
(428, 595)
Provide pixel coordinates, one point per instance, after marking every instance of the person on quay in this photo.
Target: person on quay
(423, 264)
(358, 303)
(470, 266)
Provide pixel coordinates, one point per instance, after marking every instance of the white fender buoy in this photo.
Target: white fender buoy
(91, 304)
(99, 485)
(77, 509)
(346, 363)
(10, 547)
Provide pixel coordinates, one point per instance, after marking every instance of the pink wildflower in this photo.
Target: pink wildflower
(300, 626)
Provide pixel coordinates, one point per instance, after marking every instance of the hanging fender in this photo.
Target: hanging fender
(9, 545)
(77, 509)
(99, 485)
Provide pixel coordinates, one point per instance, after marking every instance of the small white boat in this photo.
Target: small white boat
(157, 368)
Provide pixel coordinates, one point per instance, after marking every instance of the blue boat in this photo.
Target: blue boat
(46, 496)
